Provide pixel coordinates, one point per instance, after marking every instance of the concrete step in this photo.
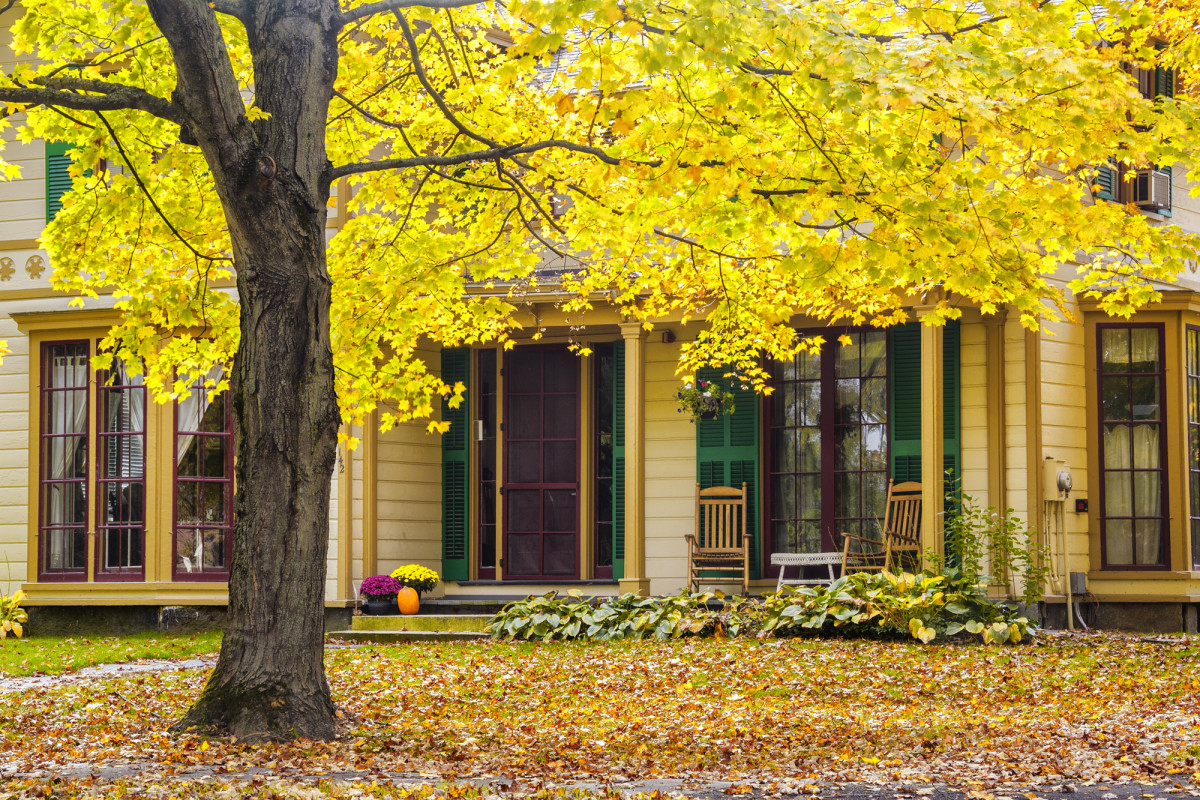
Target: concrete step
(405, 636)
(445, 623)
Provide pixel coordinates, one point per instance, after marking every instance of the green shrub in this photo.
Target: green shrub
(12, 616)
(1009, 547)
(923, 606)
(629, 616)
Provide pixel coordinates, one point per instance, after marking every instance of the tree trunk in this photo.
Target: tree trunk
(269, 682)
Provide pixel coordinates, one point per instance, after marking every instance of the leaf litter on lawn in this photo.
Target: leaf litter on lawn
(1100, 708)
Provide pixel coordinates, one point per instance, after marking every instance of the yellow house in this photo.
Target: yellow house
(561, 472)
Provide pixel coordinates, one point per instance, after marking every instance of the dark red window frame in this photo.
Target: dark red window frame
(1160, 421)
(831, 520)
(45, 482)
(126, 526)
(200, 574)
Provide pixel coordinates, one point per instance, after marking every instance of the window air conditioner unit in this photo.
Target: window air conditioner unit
(1151, 189)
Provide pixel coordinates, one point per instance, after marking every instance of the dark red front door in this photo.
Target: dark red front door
(541, 464)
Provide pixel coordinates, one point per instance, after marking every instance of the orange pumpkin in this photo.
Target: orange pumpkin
(408, 600)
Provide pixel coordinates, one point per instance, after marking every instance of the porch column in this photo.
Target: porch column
(345, 517)
(635, 579)
(997, 449)
(370, 474)
(932, 435)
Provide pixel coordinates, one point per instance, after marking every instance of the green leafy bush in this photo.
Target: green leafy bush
(629, 616)
(923, 606)
(12, 616)
(984, 540)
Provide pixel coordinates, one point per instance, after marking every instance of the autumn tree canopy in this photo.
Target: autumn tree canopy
(733, 162)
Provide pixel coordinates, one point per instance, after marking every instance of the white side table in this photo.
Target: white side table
(802, 560)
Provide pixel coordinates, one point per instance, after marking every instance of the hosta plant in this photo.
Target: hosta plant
(923, 606)
(629, 616)
(12, 616)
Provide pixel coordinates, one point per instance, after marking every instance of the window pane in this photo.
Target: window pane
(846, 402)
(1118, 453)
(874, 400)
(214, 456)
(1148, 542)
(810, 450)
(1118, 494)
(1115, 397)
(1114, 349)
(1145, 397)
(783, 498)
(874, 353)
(846, 358)
(1143, 350)
(846, 489)
(810, 497)
(1118, 541)
(1147, 450)
(1147, 494)
(849, 450)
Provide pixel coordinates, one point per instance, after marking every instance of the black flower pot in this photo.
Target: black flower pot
(379, 606)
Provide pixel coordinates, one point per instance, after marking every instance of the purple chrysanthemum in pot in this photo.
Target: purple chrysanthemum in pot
(379, 586)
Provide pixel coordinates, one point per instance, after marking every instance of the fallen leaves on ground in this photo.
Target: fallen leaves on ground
(1102, 708)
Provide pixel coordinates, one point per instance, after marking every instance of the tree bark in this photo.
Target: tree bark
(269, 682)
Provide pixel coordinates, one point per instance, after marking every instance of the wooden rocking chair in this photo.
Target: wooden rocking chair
(900, 548)
(721, 543)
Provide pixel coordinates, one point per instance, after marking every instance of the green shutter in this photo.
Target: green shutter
(1105, 182)
(58, 179)
(1166, 212)
(455, 451)
(727, 454)
(905, 375)
(951, 402)
(618, 484)
(1164, 82)
(906, 400)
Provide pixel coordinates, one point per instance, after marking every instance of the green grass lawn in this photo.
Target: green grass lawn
(57, 654)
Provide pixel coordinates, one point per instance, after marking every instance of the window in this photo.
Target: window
(63, 523)
(95, 431)
(203, 522)
(828, 444)
(116, 478)
(121, 475)
(1149, 188)
(487, 465)
(1193, 433)
(1133, 482)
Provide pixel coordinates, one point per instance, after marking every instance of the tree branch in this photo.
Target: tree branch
(142, 185)
(383, 6)
(490, 154)
(207, 91)
(108, 97)
(234, 8)
(438, 100)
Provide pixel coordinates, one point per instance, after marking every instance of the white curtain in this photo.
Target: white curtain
(67, 415)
